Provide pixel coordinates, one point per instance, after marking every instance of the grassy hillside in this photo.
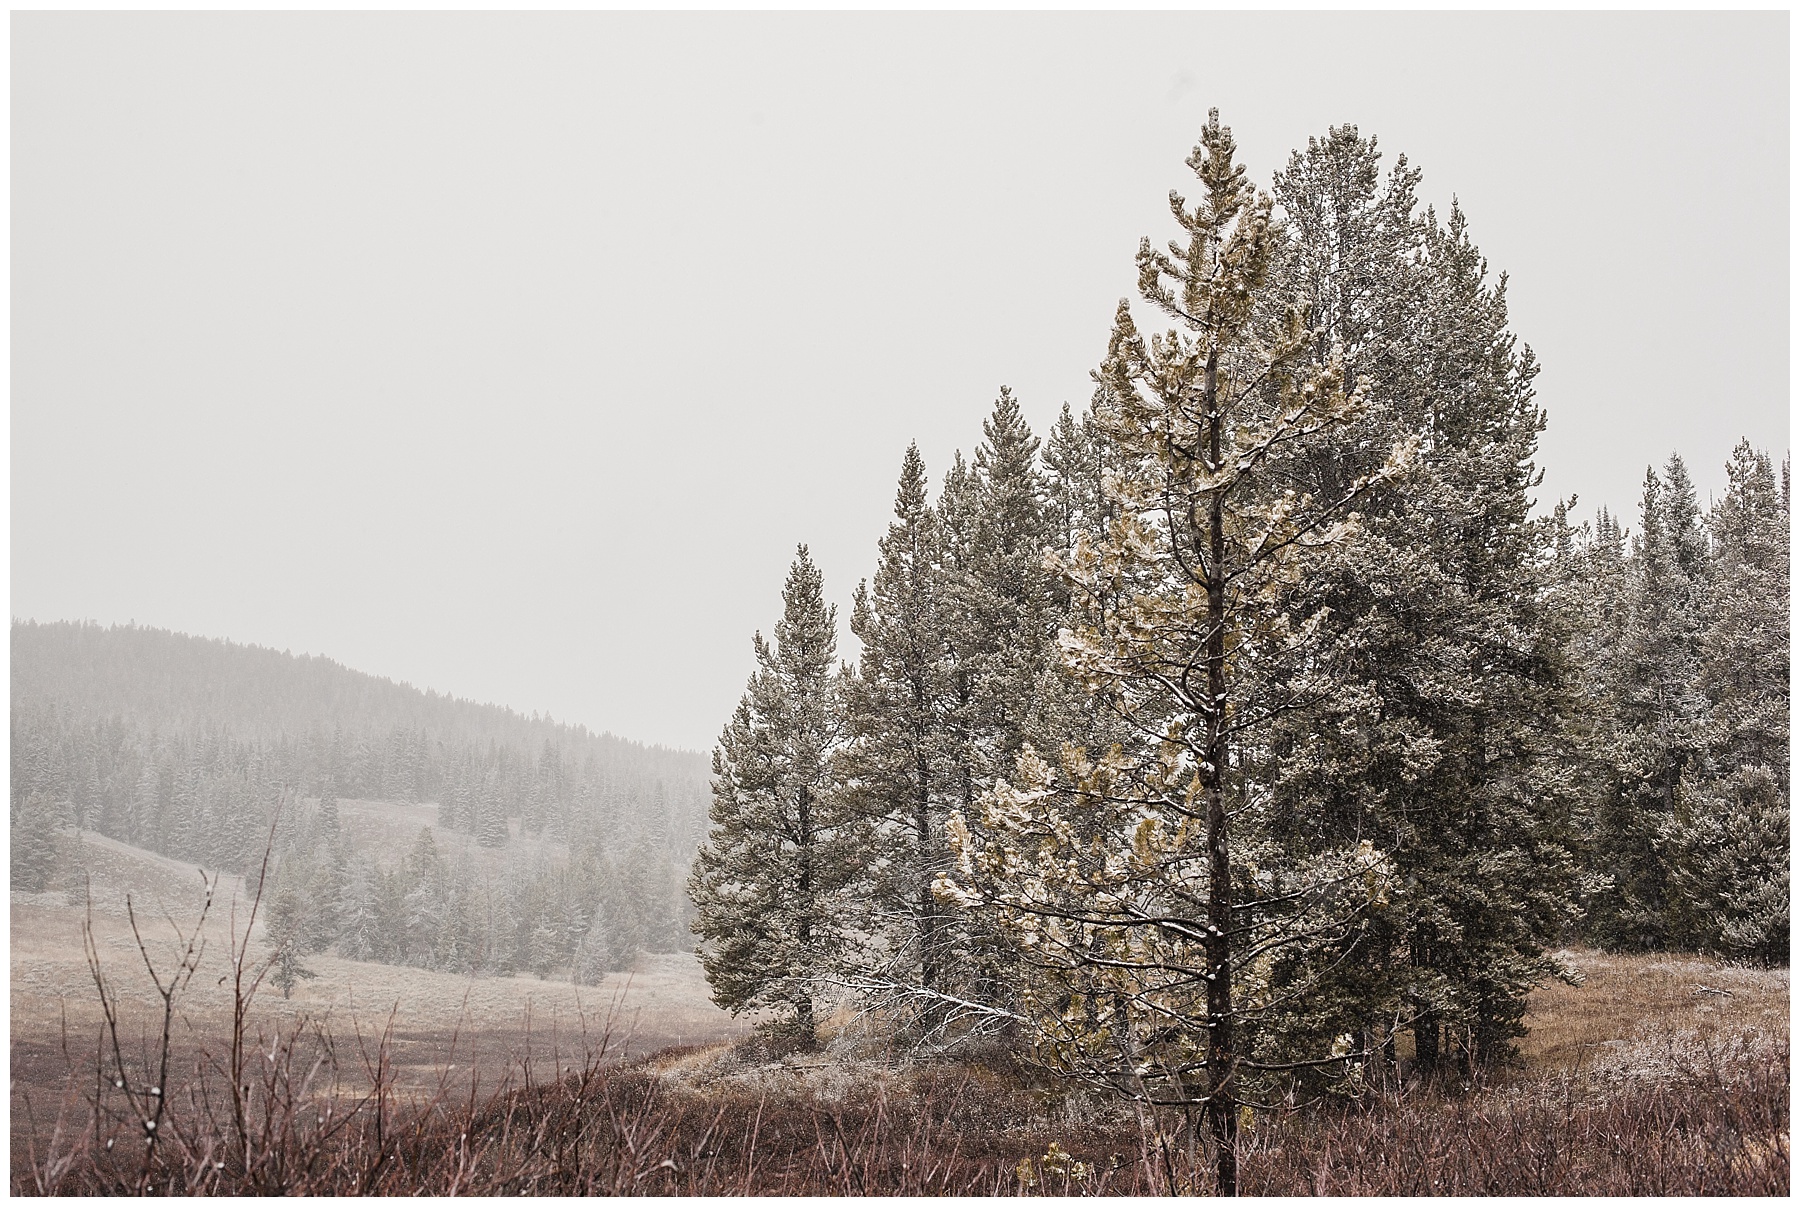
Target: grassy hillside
(410, 828)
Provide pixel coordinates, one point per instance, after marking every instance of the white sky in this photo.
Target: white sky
(511, 355)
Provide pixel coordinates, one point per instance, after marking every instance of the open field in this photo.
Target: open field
(1635, 1014)
(438, 1024)
(1659, 1074)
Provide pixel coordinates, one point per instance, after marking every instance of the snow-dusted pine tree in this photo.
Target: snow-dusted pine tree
(1075, 466)
(895, 766)
(492, 829)
(959, 670)
(1726, 843)
(34, 846)
(1445, 734)
(287, 936)
(1003, 594)
(999, 612)
(1162, 939)
(769, 882)
(1659, 711)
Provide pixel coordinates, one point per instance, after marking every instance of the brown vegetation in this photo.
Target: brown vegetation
(1721, 1130)
(663, 1001)
(1681, 1111)
(1659, 1075)
(1630, 1014)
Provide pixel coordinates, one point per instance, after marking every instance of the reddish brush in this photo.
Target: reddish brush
(1718, 1128)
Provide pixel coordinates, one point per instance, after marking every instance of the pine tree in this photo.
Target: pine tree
(1744, 644)
(1075, 466)
(1659, 709)
(34, 848)
(143, 819)
(30, 762)
(1727, 842)
(460, 942)
(997, 619)
(287, 935)
(1586, 596)
(1155, 946)
(1002, 594)
(1453, 707)
(422, 900)
(543, 953)
(1073, 497)
(328, 808)
(650, 879)
(361, 936)
(624, 926)
(505, 917)
(593, 958)
(490, 823)
(769, 883)
(958, 507)
(895, 706)
(329, 884)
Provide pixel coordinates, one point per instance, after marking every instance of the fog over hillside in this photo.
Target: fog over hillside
(166, 678)
(527, 844)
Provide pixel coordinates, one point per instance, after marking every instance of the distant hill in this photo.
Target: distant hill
(201, 749)
(168, 680)
(94, 708)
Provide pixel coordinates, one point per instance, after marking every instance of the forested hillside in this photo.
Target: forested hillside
(195, 748)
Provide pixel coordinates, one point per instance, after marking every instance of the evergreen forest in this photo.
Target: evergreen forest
(1258, 727)
(217, 754)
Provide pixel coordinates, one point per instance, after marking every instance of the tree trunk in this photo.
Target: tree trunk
(804, 1023)
(803, 1007)
(1425, 1045)
(922, 850)
(1221, 1105)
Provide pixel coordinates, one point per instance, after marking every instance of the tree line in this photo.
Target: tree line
(1249, 733)
(134, 734)
(440, 907)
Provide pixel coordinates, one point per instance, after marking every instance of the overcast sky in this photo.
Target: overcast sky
(511, 355)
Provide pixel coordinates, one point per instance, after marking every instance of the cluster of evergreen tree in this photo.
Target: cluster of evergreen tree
(445, 909)
(1252, 721)
(833, 786)
(179, 745)
(1681, 645)
(207, 795)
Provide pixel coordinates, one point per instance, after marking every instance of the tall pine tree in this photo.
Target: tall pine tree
(769, 883)
(1659, 712)
(1443, 738)
(896, 763)
(1727, 840)
(1162, 946)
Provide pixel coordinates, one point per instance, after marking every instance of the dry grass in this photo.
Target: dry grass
(663, 1001)
(1659, 1075)
(1714, 1123)
(1633, 1011)
(689, 1123)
